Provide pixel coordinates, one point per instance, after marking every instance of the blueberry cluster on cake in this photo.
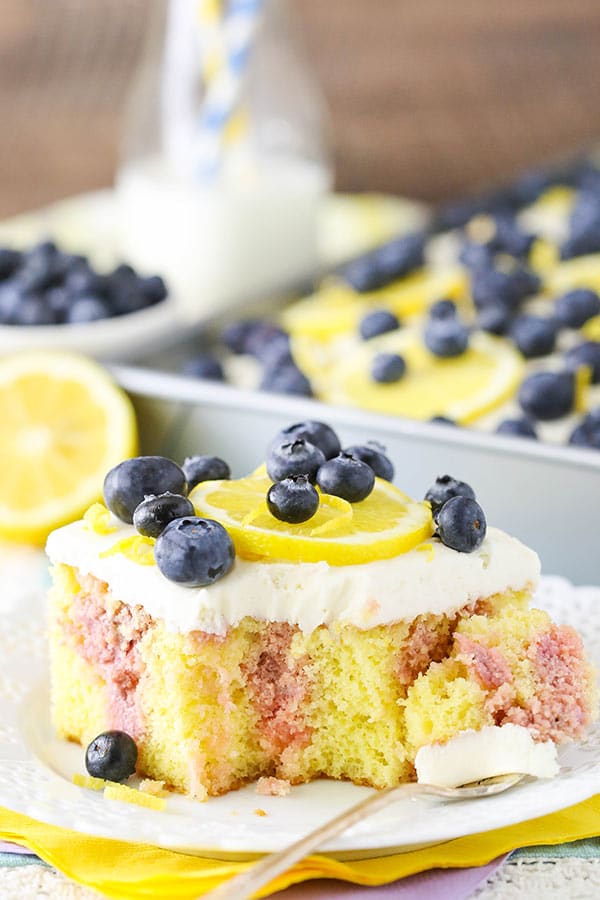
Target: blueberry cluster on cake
(307, 620)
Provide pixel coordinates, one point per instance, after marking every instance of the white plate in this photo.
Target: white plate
(36, 770)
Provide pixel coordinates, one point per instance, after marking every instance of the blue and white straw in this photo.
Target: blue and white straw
(227, 40)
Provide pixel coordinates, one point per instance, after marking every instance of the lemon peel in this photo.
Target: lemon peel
(97, 518)
(136, 547)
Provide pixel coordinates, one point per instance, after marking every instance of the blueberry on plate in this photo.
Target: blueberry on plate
(494, 318)
(317, 433)
(509, 287)
(373, 454)
(33, 309)
(204, 365)
(475, 256)
(584, 436)
(362, 274)
(522, 427)
(347, 477)
(262, 336)
(111, 756)
(294, 457)
(509, 238)
(293, 500)
(442, 309)
(534, 335)
(586, 354)
(461, 524)
(9, 262)
(387, 368)
(153, 289)
(574, 308)
(194, 552)
(380, 321)
(446, 337)
(547, 395)
(131, 481)
(444, 488)
(153, 514)
(204, 468)
(400, 257)
(87, 309)
(286, 379)
(235, 335)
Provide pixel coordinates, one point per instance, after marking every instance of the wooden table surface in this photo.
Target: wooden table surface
(427, 97)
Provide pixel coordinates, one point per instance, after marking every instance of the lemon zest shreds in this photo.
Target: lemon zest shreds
(383, 525)
(97, 518)
(135, 547)
(88, 781)
(130, 795)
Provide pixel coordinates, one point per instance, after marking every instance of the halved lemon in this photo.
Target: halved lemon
(336, 308)
(386, 524)
(462, 388)
(65, 423)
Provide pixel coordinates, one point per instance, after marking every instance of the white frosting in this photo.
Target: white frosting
(434, 580)
(494, 750)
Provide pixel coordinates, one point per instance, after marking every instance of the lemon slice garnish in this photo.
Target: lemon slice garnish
(386, 524)
(65, 423)
(462, 388)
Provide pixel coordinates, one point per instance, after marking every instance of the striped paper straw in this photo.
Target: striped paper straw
(227, 39)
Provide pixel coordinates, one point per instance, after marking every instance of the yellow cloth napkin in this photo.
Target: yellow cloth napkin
(135, 871)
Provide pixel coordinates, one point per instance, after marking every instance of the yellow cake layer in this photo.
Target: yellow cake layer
(211, 713)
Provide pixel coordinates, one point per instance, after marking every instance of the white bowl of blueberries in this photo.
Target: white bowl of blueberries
(52, 299)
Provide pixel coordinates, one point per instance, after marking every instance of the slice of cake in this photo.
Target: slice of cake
(308, 620)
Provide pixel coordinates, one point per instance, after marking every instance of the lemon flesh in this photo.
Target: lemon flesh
(462, 388)
(385, 524)
(64, 424)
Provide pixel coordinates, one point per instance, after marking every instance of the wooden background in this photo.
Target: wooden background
(427, 97)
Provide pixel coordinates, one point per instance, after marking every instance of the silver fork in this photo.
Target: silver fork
(245, 884)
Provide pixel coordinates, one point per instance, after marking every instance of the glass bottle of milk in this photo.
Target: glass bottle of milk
(224, 161)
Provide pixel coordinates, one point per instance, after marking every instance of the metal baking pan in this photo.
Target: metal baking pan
(548, 496)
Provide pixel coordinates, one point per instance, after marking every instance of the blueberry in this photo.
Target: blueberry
(82, 281)
(59, 302)
(9, 262)
(204, 365)
(475, 256)
(33, 309)
(153, 289)
(522, 427)
(10, 298)
(530, 185)
(547, 395)
(510, 288)
(262, 336)
(494, 318)
(131, 481)
(461, 524)
(287, 379)
(293, 500)
(87, 309)
(111, 756)
(444, 489)
(317, 433)
(584, 232)
(387, 368)
(194, 551)
(585, 435)
(235, 336)
(373, 454)
(574, 308)
(446, 337)
(40, 272)
(509, 238)
(153, 514)
(294, 457)
(442, 420)
(586, 354)
(442, 309)
(277, 354)
(378, 322)
(347, 477)
(204, 468)
(400, 257)
(534, 335)
(362, 274)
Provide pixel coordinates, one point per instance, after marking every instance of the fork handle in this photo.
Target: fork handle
(246, 883)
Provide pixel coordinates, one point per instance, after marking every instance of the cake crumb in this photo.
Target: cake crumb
(259, 812)
(272, 787)
(88, 781)
(130, 795)
(154, 788)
